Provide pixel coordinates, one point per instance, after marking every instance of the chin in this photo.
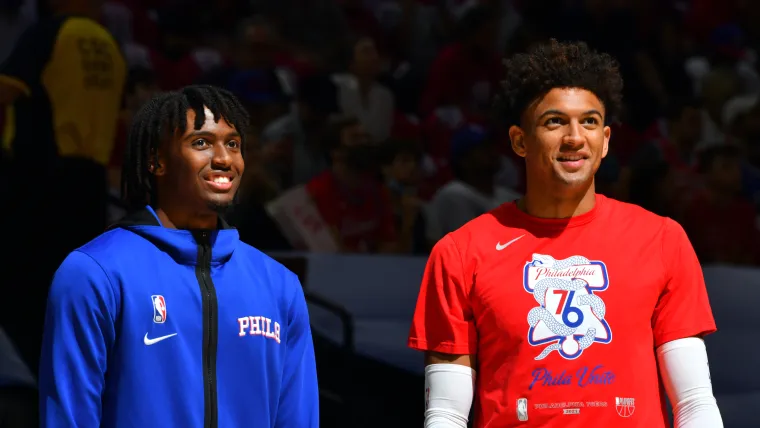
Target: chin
(220, 205)
(574, 179)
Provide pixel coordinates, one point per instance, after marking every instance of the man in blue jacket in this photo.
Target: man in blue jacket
(168, 319)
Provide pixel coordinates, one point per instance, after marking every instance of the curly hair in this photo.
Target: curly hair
(531, 75)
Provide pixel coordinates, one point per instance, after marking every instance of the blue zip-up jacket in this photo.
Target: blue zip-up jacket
(154, 327)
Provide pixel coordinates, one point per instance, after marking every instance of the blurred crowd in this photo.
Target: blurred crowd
(381, 109)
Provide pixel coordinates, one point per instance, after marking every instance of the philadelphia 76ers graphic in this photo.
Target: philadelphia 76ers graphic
(570, 315)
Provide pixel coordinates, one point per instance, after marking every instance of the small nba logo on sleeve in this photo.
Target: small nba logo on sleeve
(159, 309)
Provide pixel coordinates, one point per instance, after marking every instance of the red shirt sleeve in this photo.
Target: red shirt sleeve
(683, 309)
(443, 320)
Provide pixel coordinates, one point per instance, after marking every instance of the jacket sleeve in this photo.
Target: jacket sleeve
(79, 331)
(299, 394)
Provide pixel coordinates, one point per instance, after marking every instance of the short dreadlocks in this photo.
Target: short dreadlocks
(164, 116)
(531, 75)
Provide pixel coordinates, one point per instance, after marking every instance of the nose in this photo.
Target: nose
(574, 137)
(221, 158)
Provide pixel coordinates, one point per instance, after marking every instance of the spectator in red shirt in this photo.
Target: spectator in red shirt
(350, 199)
(466, 72)
(719, 222)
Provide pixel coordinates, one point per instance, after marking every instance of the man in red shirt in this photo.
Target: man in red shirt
(352, 202)
(565, 303)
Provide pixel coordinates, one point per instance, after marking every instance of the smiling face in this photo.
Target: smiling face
(563, 140)
(200, 170)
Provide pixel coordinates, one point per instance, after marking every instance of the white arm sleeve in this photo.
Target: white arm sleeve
(686, 374)
(448, 395)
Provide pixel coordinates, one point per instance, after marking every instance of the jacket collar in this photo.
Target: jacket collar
(182, 245)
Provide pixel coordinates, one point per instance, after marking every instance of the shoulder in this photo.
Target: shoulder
(277, 276)
(483, 232)
(614, 209)
(84, 271)
(637, 221)
(113, 244)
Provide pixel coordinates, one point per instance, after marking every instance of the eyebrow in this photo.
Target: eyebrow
(560, 113)
(202, 133)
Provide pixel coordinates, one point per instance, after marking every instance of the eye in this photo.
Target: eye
(590, 121)
(201, 142)
(553, 121)
(233, 144)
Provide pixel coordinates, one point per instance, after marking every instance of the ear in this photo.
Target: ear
(156, 164)
(607, 135)
(517, 138)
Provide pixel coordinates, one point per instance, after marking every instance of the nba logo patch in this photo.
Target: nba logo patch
(522, 409)
(159, 309)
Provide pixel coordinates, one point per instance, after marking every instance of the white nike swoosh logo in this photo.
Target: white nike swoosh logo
(156, 340)
(500, 246)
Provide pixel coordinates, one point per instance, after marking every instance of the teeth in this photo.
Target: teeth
(221, 179)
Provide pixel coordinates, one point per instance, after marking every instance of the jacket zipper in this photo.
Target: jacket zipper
(209, 304)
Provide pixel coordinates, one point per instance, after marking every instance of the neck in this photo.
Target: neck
(181, 218)
(539, 203)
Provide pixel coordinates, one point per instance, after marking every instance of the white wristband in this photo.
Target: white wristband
(449, 389)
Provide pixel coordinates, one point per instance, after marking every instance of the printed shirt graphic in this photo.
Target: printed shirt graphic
(564, 321)
(570, 314)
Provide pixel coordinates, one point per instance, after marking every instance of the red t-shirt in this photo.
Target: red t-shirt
(362, 215)
(563, 315)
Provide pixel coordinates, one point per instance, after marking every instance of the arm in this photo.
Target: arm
(683, 309)
(299, 393)
(681, 317)
(444, 328)
(79, 332)
(449, 390)
(686, 375)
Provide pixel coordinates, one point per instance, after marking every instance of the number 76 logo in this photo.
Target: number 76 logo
(570, 316)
